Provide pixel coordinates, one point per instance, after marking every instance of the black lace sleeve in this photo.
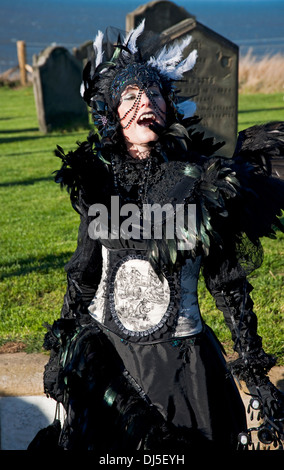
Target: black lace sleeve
(225, 274)
(85, 174)
(83, 273)
(83, 276)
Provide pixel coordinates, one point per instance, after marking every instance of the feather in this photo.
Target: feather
(263, 147)
(192, 171)
(132, 37)
(168, 58)
(185, 65)
(187, 108)
(98, 48)
(82, 89)
(172, 250)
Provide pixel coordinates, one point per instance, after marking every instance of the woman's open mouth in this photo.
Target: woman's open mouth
(146, 119)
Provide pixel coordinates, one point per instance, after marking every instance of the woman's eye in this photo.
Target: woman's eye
(155, 93)
(129, 97)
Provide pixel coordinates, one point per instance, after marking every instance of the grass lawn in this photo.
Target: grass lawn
(39, 229)
(260, 108)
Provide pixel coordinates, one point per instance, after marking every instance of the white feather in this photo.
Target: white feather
(132, 37)
(82, 89)
(169, 57)
(186, 64)
(127, 37)
(187, 108)
(98, 47)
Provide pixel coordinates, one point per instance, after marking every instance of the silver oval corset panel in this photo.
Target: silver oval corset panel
(132, 299)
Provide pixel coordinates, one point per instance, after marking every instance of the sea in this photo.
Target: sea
(254, 25)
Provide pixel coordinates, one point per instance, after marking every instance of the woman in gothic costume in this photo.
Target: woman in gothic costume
(132, 361)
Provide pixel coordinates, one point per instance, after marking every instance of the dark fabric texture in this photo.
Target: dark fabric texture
(189, 383)
(106, 408)
(156, 397)
(47, 439)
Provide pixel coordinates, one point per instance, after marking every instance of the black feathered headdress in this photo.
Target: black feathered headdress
(135, 59)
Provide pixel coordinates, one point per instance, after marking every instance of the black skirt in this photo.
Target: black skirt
(125, 396)
(188, 382)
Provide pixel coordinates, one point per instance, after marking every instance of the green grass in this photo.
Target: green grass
(260, 108)
(38, 225)
(39, 229)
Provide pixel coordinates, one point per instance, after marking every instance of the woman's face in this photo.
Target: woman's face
(137, 111)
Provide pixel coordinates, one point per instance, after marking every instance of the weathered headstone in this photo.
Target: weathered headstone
(159, 15)
(57, 80)
(213, 83)
(84, 51)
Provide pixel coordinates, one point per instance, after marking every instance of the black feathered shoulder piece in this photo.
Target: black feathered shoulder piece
(84, 173)
(237, 200)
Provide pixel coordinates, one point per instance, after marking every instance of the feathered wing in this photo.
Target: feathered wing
(263, 147)
(262, 185)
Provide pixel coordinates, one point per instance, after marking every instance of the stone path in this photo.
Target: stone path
(24, 409)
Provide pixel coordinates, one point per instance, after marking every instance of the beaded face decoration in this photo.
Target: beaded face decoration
(143, 78)
(140, 112)
(134, 74)
(157, 106)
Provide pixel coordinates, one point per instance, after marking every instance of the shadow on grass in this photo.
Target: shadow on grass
(245, 111)
(9, 140)
(29, 153)
(27, 182)
(35, 264)
(18, 131)
(55, 134)
(244, 125)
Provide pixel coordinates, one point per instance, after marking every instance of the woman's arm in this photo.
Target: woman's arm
(231, 292)
(83, 273)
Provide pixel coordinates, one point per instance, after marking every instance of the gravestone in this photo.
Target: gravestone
(213, 83)
(57, 80)
(158, 15)
(84, 51)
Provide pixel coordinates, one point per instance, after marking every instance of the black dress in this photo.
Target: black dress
(132, 360)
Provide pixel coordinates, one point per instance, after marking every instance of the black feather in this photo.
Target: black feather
(263, 147)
